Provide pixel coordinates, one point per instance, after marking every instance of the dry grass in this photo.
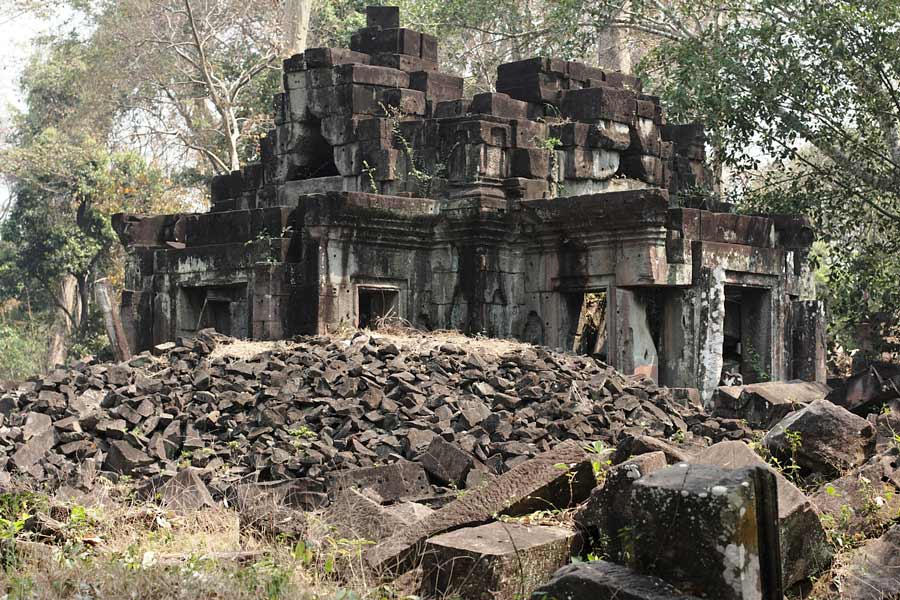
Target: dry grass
(119, 548)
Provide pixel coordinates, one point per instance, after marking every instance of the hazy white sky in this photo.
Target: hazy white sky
(17, 34)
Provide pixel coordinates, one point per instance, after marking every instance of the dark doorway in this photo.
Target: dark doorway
(746, 350)
(586, 330)
(223, 308)
(377, 306)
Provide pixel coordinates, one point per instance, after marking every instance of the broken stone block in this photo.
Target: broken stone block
(708, 531)
(601, 580)
(864, 499)
(446, 462)
(823, 438)
(28, 455)
(556, 479)
(497, 561)
(35, 424)
(642, 444)
(401, 480)
(865, 392)
(123, 458)
(185, 492)
(764, 404)
(610, 503)
(804, 547)
(870, 572)
(356, 516)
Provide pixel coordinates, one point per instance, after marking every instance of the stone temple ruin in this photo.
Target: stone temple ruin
(562, 210)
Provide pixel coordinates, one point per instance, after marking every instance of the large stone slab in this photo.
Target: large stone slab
(873, 571)
(356, 516)
(708, 531)
(864, 500)
(804, 547)
(764, 404)
(823, 438)
(497, 561)
(601, 580)
(556, 479)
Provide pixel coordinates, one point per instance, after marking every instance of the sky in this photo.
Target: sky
(17, 34)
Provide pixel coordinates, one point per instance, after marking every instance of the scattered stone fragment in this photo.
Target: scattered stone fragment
(823, 438)
(764, 404)
(864, 499)
(446, 462)
(556, 479)
(502, 561)
(123, 458)
(186, 492)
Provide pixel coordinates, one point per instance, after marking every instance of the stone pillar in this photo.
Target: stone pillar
(708, 531)
(710, 327)
(808, 330)
(679, 369)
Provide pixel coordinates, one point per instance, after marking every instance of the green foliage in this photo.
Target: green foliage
(476, 35)
(22, 348)
(801, 98)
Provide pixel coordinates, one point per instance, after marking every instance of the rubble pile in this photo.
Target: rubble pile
(446, 454)
(461, 409)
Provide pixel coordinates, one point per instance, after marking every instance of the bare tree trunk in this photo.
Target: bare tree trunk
(296, 25)
(112, 321)
(615, 50)
(66, 318)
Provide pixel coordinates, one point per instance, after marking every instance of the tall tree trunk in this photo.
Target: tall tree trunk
(66, 318)
(296, 25)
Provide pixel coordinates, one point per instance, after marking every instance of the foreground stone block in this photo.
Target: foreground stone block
(709, 531)
(601, 580)
(823, 438)
(558, 478)
(497, 561)
(866, 498)
(804, 547)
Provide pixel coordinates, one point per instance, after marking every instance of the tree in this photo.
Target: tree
(296, 25)
(196, 77)
(477, 36)
(803, 101)
(66, 182)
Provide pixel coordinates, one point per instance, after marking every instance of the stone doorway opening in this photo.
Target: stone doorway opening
(747, 328)
(587, 323)
(223, 308)
(377, 306)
